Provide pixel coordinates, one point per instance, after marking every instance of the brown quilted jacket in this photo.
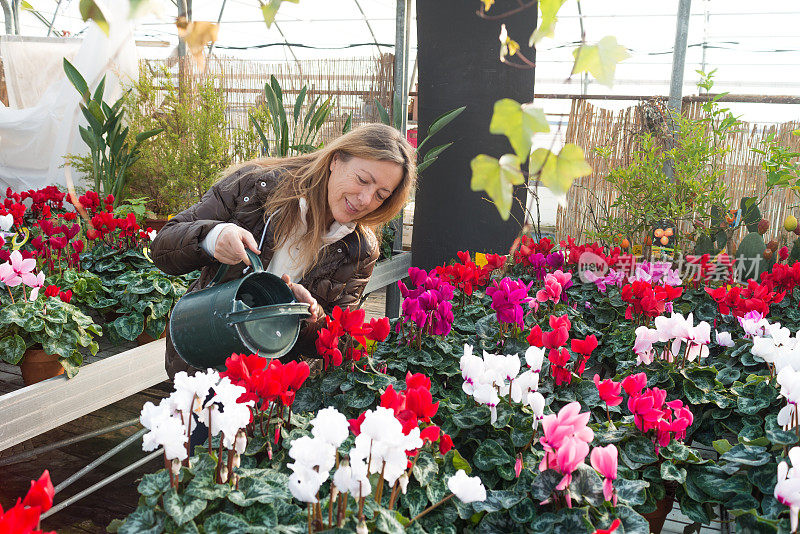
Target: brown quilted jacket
(338, 279)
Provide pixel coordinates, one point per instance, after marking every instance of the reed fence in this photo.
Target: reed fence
(355, 86)
(592, 127)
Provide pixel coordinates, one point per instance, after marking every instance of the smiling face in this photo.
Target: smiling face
(359, 186)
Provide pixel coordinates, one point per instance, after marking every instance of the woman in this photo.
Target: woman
(311, 218)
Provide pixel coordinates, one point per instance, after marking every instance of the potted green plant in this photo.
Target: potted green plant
(43, 334)
(193, 149)
(111, 151)
(146, 298)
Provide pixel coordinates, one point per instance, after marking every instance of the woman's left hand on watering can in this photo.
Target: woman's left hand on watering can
(301, 294)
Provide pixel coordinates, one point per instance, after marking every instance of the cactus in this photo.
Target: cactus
(721, 239)
(794, 254)
(751, 215)
(704, 245)
(750, 254)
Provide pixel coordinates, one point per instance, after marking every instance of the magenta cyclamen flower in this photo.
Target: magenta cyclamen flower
(429, 305)
(507, 299)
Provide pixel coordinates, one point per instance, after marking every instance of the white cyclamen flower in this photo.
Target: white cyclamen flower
(536, 402)
(787, 492)
(313, 453)
(166, 430)
(534, 356)
(304, 483)
(523, 385)
(330, 426)
(381, 423)
(233, 416)
(724, 338)
(467, 489)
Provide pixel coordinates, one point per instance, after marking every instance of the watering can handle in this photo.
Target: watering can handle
(255, 261)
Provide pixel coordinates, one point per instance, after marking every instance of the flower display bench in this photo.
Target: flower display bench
(35, 409)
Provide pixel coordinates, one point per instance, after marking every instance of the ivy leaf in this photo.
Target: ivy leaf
(270, 9)
(498, 179)
(549, 10)
(600, 60)
(90, 10)
(558, 172)
(518, 122)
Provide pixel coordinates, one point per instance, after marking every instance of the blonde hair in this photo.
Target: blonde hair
(306, 176)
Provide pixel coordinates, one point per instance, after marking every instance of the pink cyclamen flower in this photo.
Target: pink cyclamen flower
(604, 461)
(566, 442)
(570, 455)
(34, 282)
(19, 268)
(551, 290)
(609, 390)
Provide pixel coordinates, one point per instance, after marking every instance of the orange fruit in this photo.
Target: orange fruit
(668, 232)
(659, 232)
(625, 243)
(664, 240)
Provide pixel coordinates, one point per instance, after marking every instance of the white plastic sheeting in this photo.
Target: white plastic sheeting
(35, 138)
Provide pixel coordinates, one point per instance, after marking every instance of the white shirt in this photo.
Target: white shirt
(287, 259)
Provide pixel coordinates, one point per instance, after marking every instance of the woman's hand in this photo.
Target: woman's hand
(231, 243)
(301, 294)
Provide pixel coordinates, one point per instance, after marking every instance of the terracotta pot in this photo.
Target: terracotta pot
(657, 517)
(36, 365)
(145, 338)
(155, 224)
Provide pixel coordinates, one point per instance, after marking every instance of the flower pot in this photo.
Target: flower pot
(657, 517)
(36, 365)
(145, 338)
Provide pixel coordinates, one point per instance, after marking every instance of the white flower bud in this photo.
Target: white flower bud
(241, 442)
(176, 466)
(223, 474)
(237, 460)
(403, 480)
(362, 528)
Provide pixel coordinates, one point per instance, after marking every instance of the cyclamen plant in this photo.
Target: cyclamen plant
(427, 309)
(674, 330)
(399, 429)
(650, 412)
(496, 377)
(381, 446)
(467, 275)
(508, 296)
(204, 398)
(347, 337)
(270, 386)
(558, 355)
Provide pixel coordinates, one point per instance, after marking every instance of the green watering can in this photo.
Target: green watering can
(255, 313)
